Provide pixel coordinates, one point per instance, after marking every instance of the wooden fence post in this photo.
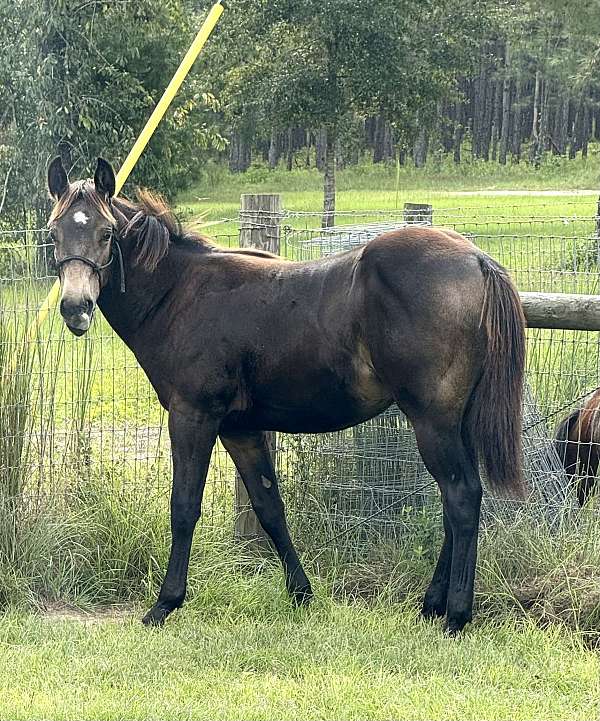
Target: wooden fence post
(260, 227)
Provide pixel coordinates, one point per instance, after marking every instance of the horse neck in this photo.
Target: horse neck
(127, 311)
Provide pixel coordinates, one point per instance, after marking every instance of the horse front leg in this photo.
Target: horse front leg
(193, 435)
(252, 458)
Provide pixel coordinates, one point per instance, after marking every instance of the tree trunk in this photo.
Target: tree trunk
(561, 126)
(458, 130)
(290, 149)
(240, 155)
(479, 102)
(505, 107)
(575, 132)
(370, 129)
(585, 128)
(596, 134)
(488, 116)
(320, 145)
(389, 144)
(354, 154)
(340, 160)
(420, 149)
(447, 127)
(544, 119)
(496, 119)
(540, 118)
(535, 120)
(273, 150)
(329, 179)
(308, 147)
(517, 124)
(379, 139)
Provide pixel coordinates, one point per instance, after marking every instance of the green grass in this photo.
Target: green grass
(238, 650)
(457, 193)
(338, 661)
(438, 174)
(378, 187)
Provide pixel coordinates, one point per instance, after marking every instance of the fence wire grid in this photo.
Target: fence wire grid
(92, 414)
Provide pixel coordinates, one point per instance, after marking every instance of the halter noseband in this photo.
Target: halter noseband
(114, 251)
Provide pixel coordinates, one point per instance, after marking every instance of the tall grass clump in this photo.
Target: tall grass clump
(527, 568)
(78, 535)
(550, 573)
(20, 537)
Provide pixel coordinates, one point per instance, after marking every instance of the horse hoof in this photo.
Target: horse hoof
(454, 627)
(155, 618)
(301, 597)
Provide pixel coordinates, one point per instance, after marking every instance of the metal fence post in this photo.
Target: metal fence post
(418, 213)
(260, 227)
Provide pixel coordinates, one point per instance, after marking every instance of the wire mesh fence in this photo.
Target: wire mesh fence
(92, 414)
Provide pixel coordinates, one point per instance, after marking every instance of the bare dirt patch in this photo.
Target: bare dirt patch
(58, 611)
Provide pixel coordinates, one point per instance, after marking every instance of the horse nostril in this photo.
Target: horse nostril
(63, 307)
(71, 309)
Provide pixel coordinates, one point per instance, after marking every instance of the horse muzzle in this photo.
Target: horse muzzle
(78, 318)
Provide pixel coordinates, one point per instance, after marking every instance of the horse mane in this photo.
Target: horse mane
(155, 227)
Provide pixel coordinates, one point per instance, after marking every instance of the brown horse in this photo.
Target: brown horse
(577, 441)
(240, 342)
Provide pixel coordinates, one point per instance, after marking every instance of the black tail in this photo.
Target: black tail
(495, 411)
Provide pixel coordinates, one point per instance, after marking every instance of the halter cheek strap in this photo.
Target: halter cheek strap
(115, 251)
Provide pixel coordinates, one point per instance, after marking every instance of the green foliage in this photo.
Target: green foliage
(81, 78)
(314, 63)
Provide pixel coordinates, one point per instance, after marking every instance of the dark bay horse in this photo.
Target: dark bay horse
(240, 342)
(577, 441)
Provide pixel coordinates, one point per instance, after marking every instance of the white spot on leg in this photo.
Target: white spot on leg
(80, 217)
(266, 481)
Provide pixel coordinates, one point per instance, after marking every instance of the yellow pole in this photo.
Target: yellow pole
(143, 139)
(169, 94)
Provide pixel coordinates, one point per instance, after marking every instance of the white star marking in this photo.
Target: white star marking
(80, 217)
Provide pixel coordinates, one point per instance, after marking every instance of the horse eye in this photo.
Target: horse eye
(107, 235)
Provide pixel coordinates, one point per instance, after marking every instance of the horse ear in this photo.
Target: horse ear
(104, 178)
(57, 179)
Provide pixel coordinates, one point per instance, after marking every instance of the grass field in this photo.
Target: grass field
(369, 187)
(238, 650)
(255, 659)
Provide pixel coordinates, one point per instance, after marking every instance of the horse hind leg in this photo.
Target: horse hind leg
(436, 596)
(453, 465)
(588, 473)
